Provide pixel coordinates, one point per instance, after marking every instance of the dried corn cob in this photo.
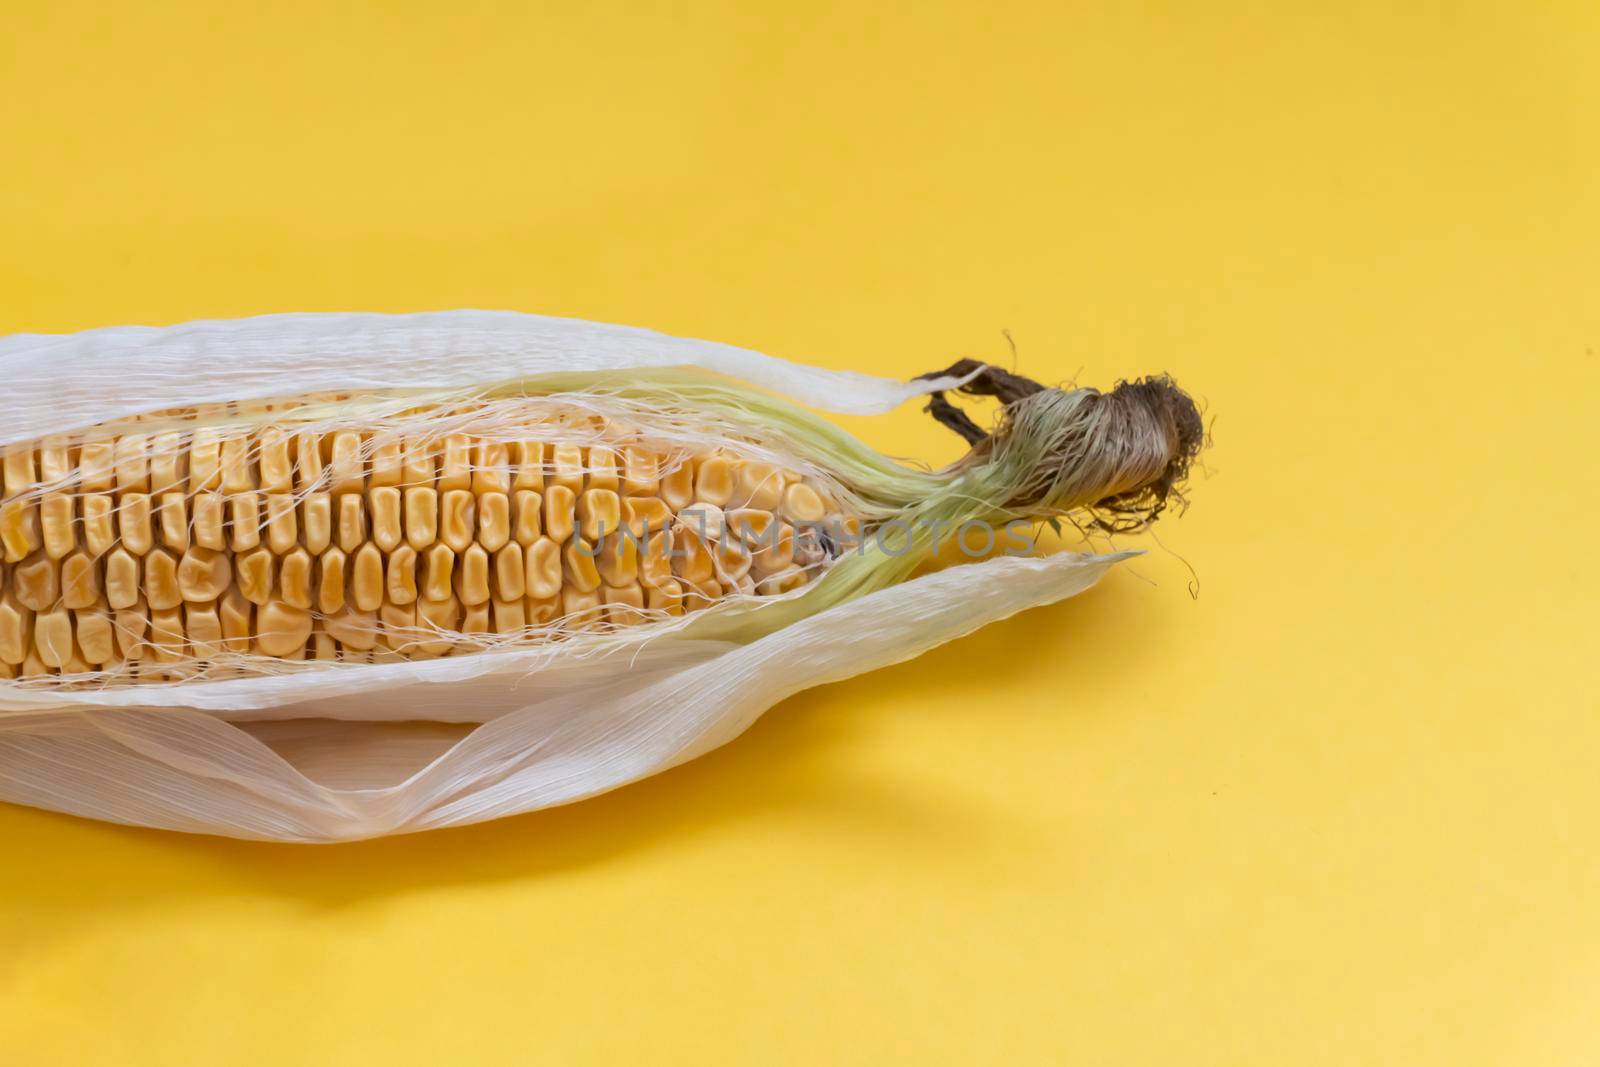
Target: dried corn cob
(568, 533)
(226, 540)
(192, 544)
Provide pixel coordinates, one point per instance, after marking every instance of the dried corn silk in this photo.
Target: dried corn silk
(246, 563)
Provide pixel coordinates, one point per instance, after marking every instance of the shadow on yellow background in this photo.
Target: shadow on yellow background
(1341, 808)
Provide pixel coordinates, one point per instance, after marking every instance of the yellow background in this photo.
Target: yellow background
(1343, 808)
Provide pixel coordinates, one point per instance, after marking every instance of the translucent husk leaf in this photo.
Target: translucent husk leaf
(185, 769)
(57, 382)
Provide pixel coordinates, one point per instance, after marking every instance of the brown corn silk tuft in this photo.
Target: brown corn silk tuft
(1119, 457)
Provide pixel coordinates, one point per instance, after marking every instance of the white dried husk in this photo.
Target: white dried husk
(346, 751)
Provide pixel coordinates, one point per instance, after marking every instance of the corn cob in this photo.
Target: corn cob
(307, 554)
(210, 542)
(243, 538)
